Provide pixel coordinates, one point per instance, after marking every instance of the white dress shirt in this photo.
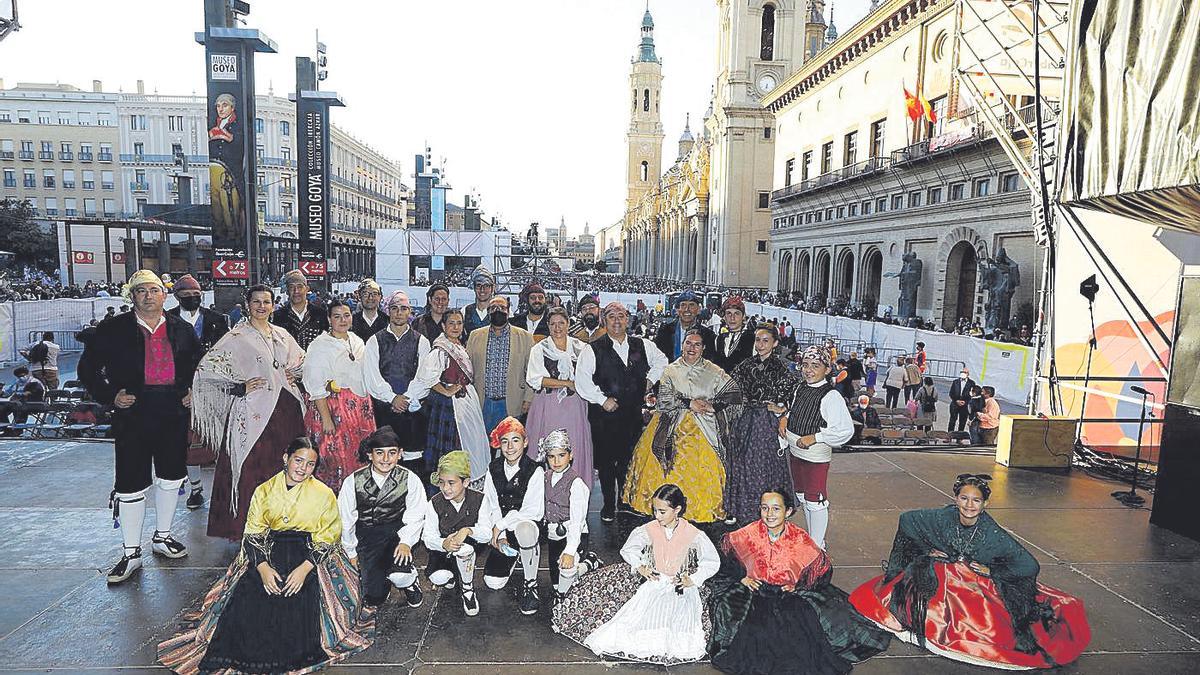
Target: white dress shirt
(533, 504)
(415, 506)
(373, 380)
(535, 368)
(586, 368)
(577, 521)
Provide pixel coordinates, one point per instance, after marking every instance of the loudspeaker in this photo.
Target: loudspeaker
(1029, 441)
(1178, 472)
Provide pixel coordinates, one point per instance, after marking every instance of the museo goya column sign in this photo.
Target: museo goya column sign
(313, 156)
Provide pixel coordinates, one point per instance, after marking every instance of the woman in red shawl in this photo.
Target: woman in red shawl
(773, 607)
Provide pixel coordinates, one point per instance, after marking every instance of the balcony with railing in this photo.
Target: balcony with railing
(66, 156)
(6, 154)
(26, 154)
(46, 154)
(85, 156)
(104, 157)
(865, 168)
(139, 186)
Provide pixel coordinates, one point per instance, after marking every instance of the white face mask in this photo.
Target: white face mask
(962, 376)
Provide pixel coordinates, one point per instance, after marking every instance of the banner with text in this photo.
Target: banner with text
(313, 162)
(231, 158)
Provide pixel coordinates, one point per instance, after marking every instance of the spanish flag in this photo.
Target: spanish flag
(913, 105)
(927, 109)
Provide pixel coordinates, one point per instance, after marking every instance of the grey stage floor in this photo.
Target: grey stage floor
(1141, 585)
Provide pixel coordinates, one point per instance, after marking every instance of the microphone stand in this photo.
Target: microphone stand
(1087, 377)
(1132, 498)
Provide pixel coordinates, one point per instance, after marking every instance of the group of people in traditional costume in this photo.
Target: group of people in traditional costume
(325, 422)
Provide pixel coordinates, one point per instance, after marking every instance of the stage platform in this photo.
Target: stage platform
(1141, 584)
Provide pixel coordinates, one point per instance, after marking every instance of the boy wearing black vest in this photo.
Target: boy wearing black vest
(383, 507)
(613, 374)
(513, 492)
(456, 514)
(816, 422)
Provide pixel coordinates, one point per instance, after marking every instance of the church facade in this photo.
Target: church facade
(868, 201)
(707, 219)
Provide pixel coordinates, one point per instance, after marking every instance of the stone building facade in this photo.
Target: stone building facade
(859, 184)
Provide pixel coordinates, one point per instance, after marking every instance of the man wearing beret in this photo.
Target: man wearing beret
(534, 319)
(588, 328)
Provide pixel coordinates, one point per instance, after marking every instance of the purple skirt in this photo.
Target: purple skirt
(547, 413)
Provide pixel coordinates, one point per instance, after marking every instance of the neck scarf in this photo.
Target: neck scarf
(670, 554)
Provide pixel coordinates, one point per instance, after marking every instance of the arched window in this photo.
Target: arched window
(635, 100)
(645, 173)
(645, 100)
(767, 52)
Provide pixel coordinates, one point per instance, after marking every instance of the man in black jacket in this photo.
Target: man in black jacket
(669, 339)
(142, 363)
(736, 344)
(210, 326)
(960, 395)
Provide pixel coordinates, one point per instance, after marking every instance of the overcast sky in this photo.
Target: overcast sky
(525, 99)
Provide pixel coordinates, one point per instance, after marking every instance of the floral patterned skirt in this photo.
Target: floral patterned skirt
(353, 420)
(618, 610)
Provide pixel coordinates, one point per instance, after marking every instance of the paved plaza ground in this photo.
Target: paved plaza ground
(1141, 584)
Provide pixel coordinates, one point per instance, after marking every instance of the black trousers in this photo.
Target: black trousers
(555, 548)
(893, 396)
(959, 413)
(153, 431)
(410, 427)
(376, 547)
(614, 435)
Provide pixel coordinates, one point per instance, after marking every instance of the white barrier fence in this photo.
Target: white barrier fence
(64, 317)
(1007, 367)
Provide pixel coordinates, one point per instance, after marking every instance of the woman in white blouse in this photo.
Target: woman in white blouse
(551, 372)
(339, 413)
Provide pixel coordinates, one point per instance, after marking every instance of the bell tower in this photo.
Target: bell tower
(645, 136)
(759, 44)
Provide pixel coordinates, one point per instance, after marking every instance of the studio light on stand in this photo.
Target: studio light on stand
(1088, 288)
(1132, 498)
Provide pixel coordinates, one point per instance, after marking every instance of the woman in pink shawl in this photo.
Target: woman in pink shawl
(245, 404)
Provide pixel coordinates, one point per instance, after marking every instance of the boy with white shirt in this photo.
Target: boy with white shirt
(455, 515)
(816, 422)
(567, 497)
(513, 491)
(382, 507)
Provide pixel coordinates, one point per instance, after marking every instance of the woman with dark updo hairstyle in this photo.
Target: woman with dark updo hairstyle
(962, 587)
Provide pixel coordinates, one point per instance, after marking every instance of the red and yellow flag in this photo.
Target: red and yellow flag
(913, 106)
(927, 109)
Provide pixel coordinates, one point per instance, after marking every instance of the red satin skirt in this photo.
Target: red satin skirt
(967, 620)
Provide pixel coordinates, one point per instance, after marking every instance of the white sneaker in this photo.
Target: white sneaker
(126, 566)
(167, 546)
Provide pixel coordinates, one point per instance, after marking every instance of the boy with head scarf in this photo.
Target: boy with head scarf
(456, 515)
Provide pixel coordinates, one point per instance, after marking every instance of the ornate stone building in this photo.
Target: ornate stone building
(667, 226)
(859, 185)
(716, 231)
